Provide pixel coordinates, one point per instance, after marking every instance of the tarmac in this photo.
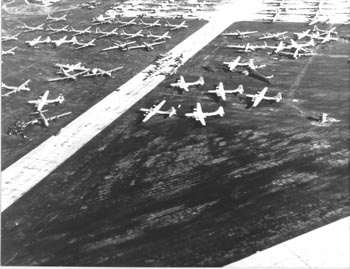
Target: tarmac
(325, 247)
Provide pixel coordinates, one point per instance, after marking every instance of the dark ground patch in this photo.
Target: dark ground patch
(173, 193)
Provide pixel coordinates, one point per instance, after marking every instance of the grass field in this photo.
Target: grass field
(173, 193)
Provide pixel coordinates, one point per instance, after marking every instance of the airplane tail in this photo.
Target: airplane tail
(201, 81)
(278, 97)
(240, 89)
(316, 29)
(220, 111)
(172, 111)
(60, 99)
(312, 42)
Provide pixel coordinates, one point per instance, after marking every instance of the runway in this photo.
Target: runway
(40, 162)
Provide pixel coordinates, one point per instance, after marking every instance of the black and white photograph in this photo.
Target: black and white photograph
(175, 133)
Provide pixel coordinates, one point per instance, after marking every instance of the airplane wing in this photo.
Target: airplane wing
(9, 93)
(197, 114)
(260, 97)
(42, 101)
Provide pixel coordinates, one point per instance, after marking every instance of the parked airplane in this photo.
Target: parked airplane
(98, 72)
(15, 89)
(246, 47)
(9, 38)
(130, 36)
(91, 43)
(295, 55)
(106, 34)
(150, 112)
(259, 96)
(58, 30)
(72, 67)
(37, 41)
(239, 34)
(150, 25)
(327, 38)
(43, 101)
(43, 120)
(80, 32)
(159, 37)
(32, 28)
(53, 19)
(126, 23)
(276, 49)
(320, 31)
(63, 40)
(175, 26)
(300, 47)
(182, 84)
(318, 19)
(67, 75)
(232, 65)
(120, 46)
(9, 52)
(276, 36)
(200, 116)
(302, 34)
(221, 92)
(144, 45)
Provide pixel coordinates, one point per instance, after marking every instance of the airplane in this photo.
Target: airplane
(72, 67)
(9, 52)
(236, 62)
(159, 37)
(106, 34)
(130, 36)
(80, 32)
(150, 25)
(144, 45)
(221, 92)
(43, 101)
(302, 34)
(58, 30)
(43, 120)
(98, 72)
(259, 96)
(32, 28)
(101, 19)
(295, 55)
(276, 49)
(200, 116)
(85, 45)
(276, 36)
(120, 46)
(14, 89)
(320, 31)
(239, 34)
(175, 26)
(317, 19)
(150, 112)
(37, 41)
(126, 23)
(9, 38)
(300, 47)
(63, 40)
(67, 75)
(52, 19)
(182, 84)
(327, 38)
(246, 48)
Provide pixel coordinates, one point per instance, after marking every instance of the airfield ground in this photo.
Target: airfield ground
(173, 193)
(38, 63)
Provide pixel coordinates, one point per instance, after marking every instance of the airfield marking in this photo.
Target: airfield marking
(25, 173)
